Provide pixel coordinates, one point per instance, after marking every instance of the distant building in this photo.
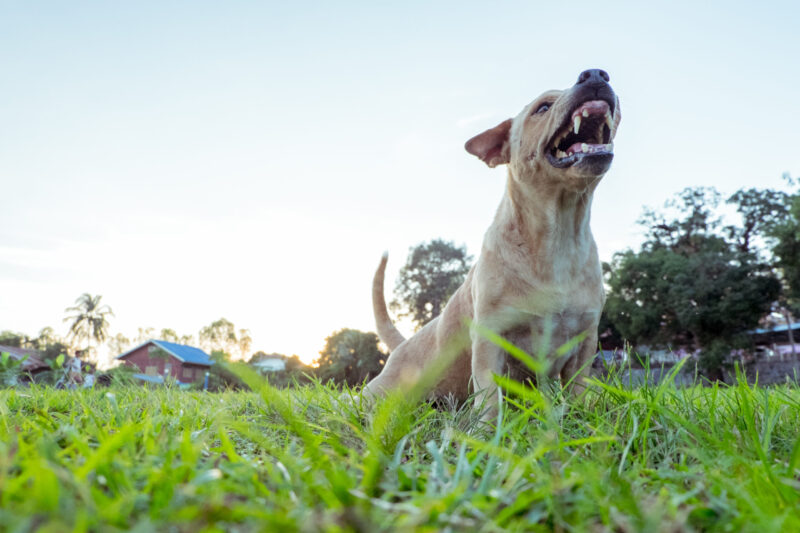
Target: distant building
(774, 341)
(605, 358)
(33, 364)
(156, 359)
(269, 363)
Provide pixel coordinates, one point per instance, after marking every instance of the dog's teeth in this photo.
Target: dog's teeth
(585, 113)
(577, 124)
(584, 147)
(609, 119)
(561, 154)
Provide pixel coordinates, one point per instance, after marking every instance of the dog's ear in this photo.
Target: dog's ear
(492, 145)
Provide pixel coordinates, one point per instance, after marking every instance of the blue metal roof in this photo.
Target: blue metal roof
(776, 329)
(187, 354)
(149, 379)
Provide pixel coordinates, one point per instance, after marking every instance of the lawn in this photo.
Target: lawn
(300, 459)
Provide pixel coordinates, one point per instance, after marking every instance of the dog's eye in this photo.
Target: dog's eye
(541, 109)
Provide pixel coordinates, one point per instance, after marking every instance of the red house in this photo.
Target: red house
(157, 359)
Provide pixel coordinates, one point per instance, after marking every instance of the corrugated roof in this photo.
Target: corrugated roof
(776, 329)
(187, 354)
(149, 379)
(34, 361)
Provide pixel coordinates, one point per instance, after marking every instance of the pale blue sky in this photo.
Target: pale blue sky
(191, 160)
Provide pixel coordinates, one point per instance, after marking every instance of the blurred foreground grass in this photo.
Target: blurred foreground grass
(654, 458)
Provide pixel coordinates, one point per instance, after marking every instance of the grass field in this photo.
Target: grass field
(617, 459)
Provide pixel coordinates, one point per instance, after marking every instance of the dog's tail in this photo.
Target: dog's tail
(389, 334)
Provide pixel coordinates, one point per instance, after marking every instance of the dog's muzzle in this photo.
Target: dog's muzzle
(585, 133)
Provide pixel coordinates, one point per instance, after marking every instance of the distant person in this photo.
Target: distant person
(74, 376)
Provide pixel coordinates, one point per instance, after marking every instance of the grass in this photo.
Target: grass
(654, 458)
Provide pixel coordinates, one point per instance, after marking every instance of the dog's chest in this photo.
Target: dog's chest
(555, 337)
(563, 293)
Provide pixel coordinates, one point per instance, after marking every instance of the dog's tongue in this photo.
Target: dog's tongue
(592, 107)
(585, 148)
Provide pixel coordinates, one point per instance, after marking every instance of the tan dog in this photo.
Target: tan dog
(538, 280)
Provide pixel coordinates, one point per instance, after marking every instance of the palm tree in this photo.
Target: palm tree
(88, 320)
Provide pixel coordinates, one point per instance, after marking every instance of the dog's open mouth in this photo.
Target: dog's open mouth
(586, 134)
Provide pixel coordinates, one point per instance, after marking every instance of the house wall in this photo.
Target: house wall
(190, 373)
(768, 373)
(147, 364)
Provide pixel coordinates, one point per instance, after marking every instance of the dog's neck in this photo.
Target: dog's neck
(550, 219)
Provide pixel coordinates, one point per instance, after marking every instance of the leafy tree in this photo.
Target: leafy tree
(168, 335)
(785, 235)
(11, 338)
(50, 344)
(47, 336)
(432, 273)
(689, 218)
(144, 335)
(220, 335)
(243, 342)
(689, 285)
(118, 344)
(350, 356)
(89, 320)
(165, 334)
(762, 211)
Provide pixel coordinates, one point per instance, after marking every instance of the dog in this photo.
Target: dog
(538, 280)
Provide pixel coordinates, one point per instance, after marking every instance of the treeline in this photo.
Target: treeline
(349, 356)
(709, 270)
(702, 280)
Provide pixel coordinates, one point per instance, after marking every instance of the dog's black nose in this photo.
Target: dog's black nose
(593, 76)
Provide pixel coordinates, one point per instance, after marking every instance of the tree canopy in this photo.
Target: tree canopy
(350, 356)
(696, 283)
(785, 235)
(221, 335)
(88, 320)
(432, 273)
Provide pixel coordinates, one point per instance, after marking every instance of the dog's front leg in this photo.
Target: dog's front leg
(487, 360)
(579, 366)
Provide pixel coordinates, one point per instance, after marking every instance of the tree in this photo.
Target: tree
(46, 337)
(350, 356)
(144, 335)
(118, 344)
(690, 286)
(432, 273)
(762, 211)
(50, 344)
(89, 320)
(244, 342)
(11, 338)
(221, 335)
(168, 335)
(785, 235)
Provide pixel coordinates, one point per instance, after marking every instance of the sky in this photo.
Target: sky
(252, 160)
